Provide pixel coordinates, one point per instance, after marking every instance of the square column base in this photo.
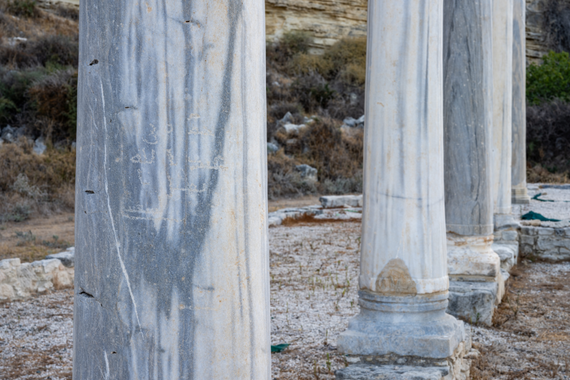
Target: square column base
(519, 196)
(474, 302)
(394, 367)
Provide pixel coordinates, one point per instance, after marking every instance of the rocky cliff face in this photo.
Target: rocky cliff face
(535, 37)
(326, 20)
(330, 20)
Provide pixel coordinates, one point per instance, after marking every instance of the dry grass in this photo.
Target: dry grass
(60, 20)
(34, 185)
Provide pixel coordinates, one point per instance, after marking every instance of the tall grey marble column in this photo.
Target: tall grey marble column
(468, 120)
(171, 235)
(403, 268)
(519, 190)
(502, 109)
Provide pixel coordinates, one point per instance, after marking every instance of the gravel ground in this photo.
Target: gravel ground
(314, 268)
(559, 209)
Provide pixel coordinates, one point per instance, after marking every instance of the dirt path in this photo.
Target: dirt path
(34, 239)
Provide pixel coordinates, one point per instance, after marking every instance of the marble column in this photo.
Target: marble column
(468, 120)
(519, 190)
(403, 269)
(502, 109)
(171, 230)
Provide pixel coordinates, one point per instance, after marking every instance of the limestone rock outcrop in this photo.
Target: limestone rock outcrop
(326, 20)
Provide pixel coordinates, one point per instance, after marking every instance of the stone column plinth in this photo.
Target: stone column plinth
(468, 120)
(502, 110)
(171, 236)
(403, 269)
(519, 190)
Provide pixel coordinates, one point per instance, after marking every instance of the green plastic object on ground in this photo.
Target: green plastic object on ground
(536, 216)
(536, 198)
(279, 347)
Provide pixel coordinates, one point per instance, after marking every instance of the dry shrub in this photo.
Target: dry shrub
(46, 22)
(290, 44)
(49, 178)
(333, 153)
(345, 61)
(56, 96)
(284, 180)
(50, 49)
(538, 174)
(337, 156)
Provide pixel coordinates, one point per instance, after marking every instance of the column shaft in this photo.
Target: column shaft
(519, 190)
(171, 237)
(403, 271)
(502, 104)
(468, 119)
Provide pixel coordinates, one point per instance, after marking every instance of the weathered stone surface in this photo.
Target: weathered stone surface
(502, 104)
(67, 257)
(468, 116)
(171, 201)
(19, 281)
(508, 253)
(331, 201)
(391, 366)
(473, 301)
(391, 372)
(326, 20)
(472, 256)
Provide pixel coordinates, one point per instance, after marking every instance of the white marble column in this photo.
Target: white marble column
(403, 270)
(171, 232)
(468, 119)
(502, 109)
(519, 190)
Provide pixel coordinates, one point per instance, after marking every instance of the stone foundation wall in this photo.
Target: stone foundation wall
(20, 281)
(548, 243)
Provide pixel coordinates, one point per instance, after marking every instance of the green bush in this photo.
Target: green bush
(23, 8)
(549, 81)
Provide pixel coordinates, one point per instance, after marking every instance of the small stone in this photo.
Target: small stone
(67, 258)
(8, 134)
(333, 201)
(272, 148)
(293, 128)
(360, 122)
(350, 121)
(287, 118)
(307, 171)
(39, 146)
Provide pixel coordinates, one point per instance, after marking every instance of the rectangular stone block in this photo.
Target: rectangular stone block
(565, 243)
(510, 235)
(525, 239)
(472, 301)
(545, 243)
(527, 249)
(545, 231)
(531, 231)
